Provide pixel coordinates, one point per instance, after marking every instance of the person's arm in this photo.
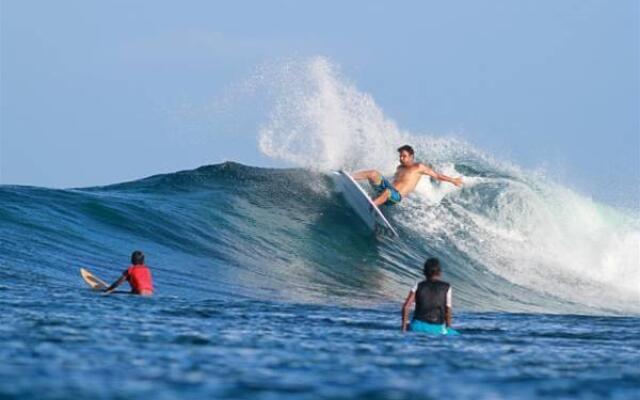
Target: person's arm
(406, 307)
(448, 313)
(117, 283)
(441, 177)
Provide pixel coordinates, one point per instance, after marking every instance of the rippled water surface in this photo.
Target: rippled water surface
(79, 344)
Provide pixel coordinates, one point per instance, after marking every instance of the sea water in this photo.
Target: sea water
(273, 289)
(268, 286)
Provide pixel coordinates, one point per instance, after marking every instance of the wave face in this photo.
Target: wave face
(508, 242)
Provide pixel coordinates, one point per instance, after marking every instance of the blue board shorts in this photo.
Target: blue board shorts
(431, 329)
(394, 196)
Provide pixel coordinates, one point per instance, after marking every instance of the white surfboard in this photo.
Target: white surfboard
(92, 280)
(361, 203)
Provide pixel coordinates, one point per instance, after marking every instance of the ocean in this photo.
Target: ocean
(269, 287)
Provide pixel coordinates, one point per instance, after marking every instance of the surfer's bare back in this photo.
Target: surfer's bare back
(405, 180)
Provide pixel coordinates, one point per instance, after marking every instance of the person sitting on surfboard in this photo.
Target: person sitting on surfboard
(138, 275)
(433, 303)
(406, 179)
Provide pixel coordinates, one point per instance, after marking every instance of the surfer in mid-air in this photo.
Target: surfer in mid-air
(405, 180)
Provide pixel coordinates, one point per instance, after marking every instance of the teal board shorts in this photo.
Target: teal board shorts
(431, 329)
(394, 196)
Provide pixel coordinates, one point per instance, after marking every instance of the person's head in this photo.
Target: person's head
(137, 257)
(406, 154)
(432, 269)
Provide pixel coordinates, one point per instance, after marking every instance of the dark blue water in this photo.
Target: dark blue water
(267, 286)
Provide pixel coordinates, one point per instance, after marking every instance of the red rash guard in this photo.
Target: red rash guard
(139, 277)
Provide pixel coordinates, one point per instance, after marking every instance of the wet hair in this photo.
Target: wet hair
(406, 148)
(432, 268)
(137, 257)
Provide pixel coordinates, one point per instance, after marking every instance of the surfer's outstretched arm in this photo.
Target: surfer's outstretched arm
(441, 177)
(115, 284)
(406, 307)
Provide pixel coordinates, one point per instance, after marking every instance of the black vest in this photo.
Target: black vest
(431, 301)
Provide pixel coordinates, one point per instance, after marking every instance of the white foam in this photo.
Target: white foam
(321, 121)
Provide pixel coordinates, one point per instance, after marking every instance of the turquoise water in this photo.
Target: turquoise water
(269, 287)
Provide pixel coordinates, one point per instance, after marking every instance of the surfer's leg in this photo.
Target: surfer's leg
(394, 196)
(384, 196)
(374, 177)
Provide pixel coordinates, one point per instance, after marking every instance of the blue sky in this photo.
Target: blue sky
(90, 90)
